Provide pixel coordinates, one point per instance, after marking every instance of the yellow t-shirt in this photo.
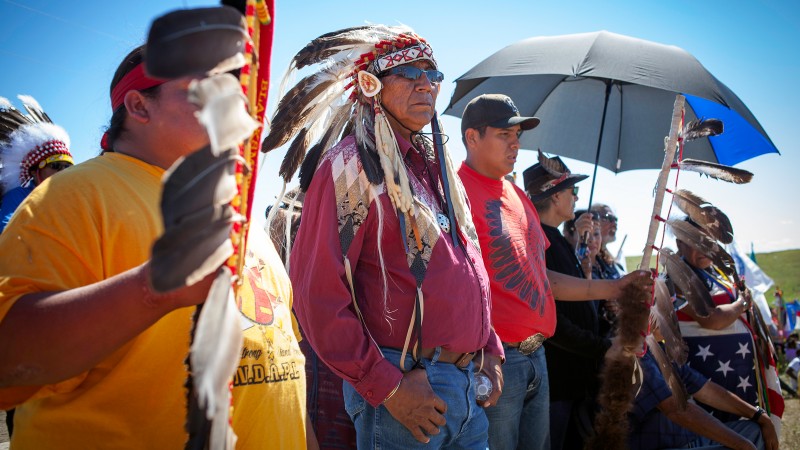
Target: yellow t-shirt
(269, 394)
(99, 219)
(83, 225)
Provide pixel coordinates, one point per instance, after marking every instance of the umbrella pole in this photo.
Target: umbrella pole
(599, 143)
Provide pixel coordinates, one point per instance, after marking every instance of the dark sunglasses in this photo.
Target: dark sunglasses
(608, 217)
(575, 190)
(58, 166)
(413, 73)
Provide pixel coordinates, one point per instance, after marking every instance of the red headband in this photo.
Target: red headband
(135, 80)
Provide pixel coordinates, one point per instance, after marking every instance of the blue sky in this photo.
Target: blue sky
(65, 53)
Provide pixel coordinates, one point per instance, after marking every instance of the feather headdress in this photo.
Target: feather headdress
(28, 141)
(330, 103)
(343, 97)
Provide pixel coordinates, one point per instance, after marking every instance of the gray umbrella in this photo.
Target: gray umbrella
(607, 99)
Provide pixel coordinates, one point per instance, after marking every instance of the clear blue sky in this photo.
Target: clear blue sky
(64, 54)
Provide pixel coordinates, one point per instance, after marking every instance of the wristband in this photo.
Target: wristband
(394, 391)
(759, 412)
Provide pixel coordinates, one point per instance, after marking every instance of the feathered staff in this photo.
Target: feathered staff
(207, 195)
(616, 397)
(617, 394)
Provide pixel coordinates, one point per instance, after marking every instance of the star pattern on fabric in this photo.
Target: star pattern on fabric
(727, 358)
(725, 367)
(743, 349)
(704, 351)
(744, 383)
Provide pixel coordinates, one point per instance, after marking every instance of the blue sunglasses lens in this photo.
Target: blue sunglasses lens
(413, 73)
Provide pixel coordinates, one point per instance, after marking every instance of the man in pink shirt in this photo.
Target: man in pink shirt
(391, 297)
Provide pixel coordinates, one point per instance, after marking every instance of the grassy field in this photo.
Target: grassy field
(783, 267)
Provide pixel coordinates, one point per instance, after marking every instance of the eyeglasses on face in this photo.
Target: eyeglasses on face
(58, 166)
(574, 190)
(608, 217)
(413, 73)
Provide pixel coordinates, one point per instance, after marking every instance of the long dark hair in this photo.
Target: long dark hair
(116, 126)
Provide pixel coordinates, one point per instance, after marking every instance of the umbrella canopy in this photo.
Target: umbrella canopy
(611, 95)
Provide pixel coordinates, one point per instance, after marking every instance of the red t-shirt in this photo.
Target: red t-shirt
(513, 246)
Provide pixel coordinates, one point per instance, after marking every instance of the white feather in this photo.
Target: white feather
(30, 102)
(5, 105)
(215, 350)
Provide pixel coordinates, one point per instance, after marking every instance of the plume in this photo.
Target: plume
(294, 155)
(34, 108)
(11, 119)
(295, 108)
(329, 44)
(309, 164)
(668, 371)
(708, 216)
(717, 171)
(687, 283)
(553, 166)
(697, 129)
(702, 242)
(667, 322)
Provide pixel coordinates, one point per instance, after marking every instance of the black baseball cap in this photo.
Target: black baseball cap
(494, 110)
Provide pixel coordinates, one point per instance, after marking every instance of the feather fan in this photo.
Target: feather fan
(668, 371)
(717, 171)
(703, 243)
(708, 216)
(687, 283)
(667, 323)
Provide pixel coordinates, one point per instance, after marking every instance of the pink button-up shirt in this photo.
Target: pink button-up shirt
(455, 288)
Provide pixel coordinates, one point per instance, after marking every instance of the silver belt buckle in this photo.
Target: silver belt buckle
(531, 344)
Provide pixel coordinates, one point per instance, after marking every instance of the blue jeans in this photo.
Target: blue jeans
(466, 426)
(745, 428)
(521, 417)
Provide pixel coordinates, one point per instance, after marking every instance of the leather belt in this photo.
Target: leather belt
(529, 345)
(460, 360)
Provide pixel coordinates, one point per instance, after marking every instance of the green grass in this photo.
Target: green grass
(783, 267)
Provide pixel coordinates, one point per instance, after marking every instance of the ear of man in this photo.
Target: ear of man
(137, 106)
(471, 137)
